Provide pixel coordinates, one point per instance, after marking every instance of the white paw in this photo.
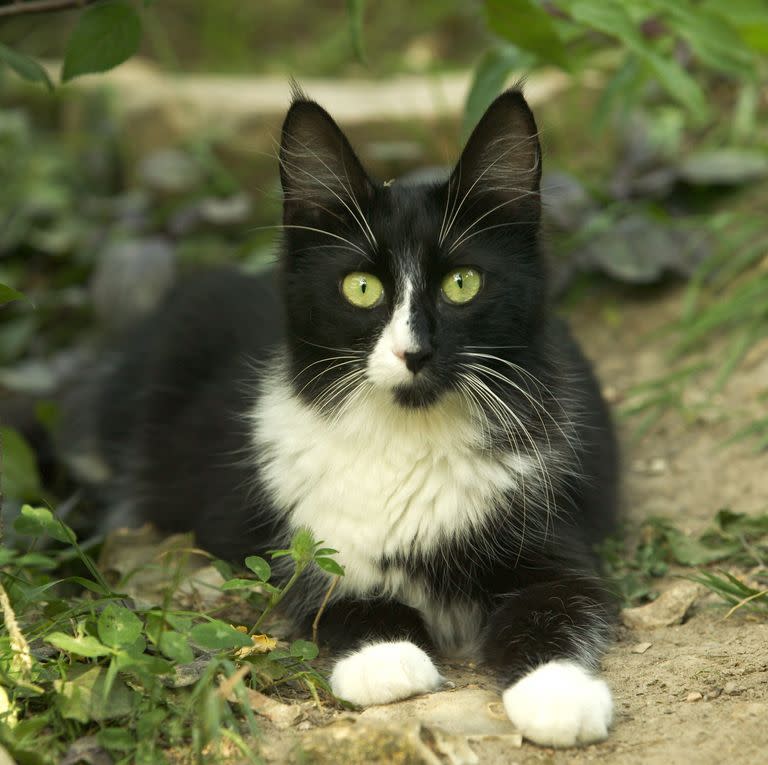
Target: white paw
(384, 672)
(560, 704)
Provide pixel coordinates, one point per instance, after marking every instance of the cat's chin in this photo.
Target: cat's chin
(415, 396)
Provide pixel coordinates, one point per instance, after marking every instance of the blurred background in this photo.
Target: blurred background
(137, 141)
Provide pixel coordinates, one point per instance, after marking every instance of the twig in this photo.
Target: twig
(744, 601)
(42, 6)
(327, 597)
(226, 688)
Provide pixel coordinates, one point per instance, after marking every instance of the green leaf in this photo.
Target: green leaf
(117, 739)
(81, 697)
(691, 552)
(330, 565)
(118, 626)
(88, 584)
(680, 85)
(86, 645)
(302, 546)
(217, 635)
(726, 166)
(712, 38)
(489, 78)
(175, 646)
(326, 551)
(304, 650)
(259, 567)
(37, 521)
(355, 10)
(239, 584)
(20, 476)
(7, 294)
(7, 556)
(106, 35)
(36, 560)
(528, 26)
(612, 19)
(25, 67)
(742, 524)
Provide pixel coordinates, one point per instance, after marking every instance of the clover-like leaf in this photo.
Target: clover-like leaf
(217, 635)
(118, 626)
(259, 566)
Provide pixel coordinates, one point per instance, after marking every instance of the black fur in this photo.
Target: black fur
(171, 410)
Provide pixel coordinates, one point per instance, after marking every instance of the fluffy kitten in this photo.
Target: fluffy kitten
(401, 388)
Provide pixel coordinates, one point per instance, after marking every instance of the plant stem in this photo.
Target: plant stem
(275, 600)
(42, 6)
(329, 592)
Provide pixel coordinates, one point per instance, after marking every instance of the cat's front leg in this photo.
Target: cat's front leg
(387, 661)
(546, 642)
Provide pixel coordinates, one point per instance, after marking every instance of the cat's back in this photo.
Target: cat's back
(169, 399)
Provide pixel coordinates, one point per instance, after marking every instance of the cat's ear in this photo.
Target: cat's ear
(502, 158)
(320, 173)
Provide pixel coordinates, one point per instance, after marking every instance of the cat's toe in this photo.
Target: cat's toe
(384, 672)
(560, 704)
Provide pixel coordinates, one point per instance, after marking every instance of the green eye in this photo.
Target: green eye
(362, 290)
(461, 285)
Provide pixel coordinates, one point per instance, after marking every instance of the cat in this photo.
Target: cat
(401, 387)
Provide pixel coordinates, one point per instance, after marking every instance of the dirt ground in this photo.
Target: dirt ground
(699, 692)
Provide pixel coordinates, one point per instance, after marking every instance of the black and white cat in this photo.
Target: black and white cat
(401, 388)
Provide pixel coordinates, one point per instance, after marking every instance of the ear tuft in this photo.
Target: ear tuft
(297, 92)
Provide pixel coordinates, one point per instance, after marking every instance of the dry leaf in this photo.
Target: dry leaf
(669, 608)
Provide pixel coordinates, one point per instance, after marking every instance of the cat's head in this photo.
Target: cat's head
(394, 286)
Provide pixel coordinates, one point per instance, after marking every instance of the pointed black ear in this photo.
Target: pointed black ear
(319, 170)
(502, 159)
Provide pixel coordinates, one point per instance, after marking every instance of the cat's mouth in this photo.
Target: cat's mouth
(417, 395)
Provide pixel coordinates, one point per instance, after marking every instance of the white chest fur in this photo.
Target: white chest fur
(381, 480)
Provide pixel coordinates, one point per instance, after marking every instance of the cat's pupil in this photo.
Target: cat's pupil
(459, 281)
(363, 286)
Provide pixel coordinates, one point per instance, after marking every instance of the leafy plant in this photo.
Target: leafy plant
(736, 591)
(733, 539)
(657, 41)
(140, 679)
(106, 34)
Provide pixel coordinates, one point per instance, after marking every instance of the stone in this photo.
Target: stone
(669, 608)
(466, 712)
(361, 743)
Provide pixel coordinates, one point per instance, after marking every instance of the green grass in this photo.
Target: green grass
(80, 658)
(734, 540)
(726, 301)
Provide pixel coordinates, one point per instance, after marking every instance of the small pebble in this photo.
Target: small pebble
(713, 694)
(694, 696)
(640, 647)
(731, 688)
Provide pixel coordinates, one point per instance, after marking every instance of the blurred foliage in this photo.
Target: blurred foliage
(317, 39)
(105, 35)
(65, 208)
(674, 44)
(733, 539)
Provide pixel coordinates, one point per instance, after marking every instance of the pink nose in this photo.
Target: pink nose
(400, 354)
